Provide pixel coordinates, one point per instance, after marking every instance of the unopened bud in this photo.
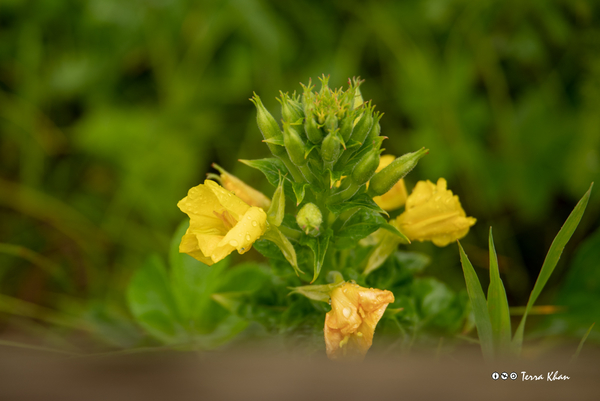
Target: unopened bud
(291, 110)
(331, 123)
(363, 126)
(366, 167)
(309, 219)
(347, 126)
(267, 126)
(331, 148)
(294, 145)
(313, 132)
(384, 180)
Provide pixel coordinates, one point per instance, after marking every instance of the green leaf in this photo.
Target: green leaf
(362, 223)
(277, 209)
(272, 168)
(275, 236)
(498, 304)
(414, 262)
(319, 247)
(316, 292)
(580, 346)
(192, 282)
(299, 190)
(361, 200)
(152, 303)
(554, 253)
(244, 278)
(479, 304)
(392, 229)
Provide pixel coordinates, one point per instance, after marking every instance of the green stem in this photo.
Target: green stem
(296, 174)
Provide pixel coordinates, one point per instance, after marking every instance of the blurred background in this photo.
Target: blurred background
(110, 111)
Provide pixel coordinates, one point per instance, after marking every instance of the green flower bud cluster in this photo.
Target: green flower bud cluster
(324, 134)
(330, 142)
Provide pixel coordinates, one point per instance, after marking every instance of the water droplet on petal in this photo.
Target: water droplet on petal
(233, 242)
(254, 223)
(347, 312)
(247, 237)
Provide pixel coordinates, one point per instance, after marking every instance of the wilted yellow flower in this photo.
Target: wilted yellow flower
(434, 214)
(220, 222)
(242, 190)
(350, 325)
(395, 197)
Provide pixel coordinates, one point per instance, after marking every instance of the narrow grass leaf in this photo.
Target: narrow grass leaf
(585, 336)
(479, 304)
(554, 253)
(497, 303)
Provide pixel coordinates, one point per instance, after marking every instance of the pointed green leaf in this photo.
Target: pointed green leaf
(554, 253)
(316, 292)
(360, 200)
(479, 304)
(272, 168)
(362, 223)
(319, 247)
(498, 304)
(287, 249)
(299, 190)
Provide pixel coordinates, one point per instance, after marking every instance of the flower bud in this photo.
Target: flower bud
(267, 126)
(376, 130)
(365, 168)
(434, 214)
(331, 123)
(384, 180)
(395, 197)
(294, 145)
(350, 325)
(309, 218)
(313, 132)
(347, 126)
(291, 110)
(363, 126)
(331, 148)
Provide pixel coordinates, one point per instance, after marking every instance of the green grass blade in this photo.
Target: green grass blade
(498, 304)
(550, 262)
(585, 336)
(480, 310)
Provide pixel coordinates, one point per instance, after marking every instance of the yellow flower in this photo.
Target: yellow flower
(434, 214)
(350, 325)
(240, 189)
(220, 222)
(395, 197)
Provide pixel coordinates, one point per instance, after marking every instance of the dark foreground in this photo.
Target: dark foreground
(256, 375)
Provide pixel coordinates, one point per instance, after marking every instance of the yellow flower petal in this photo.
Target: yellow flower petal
(189, 245)
(434, 214)
(220, 223)
(228, 200)
(251, 226)
(350, 325)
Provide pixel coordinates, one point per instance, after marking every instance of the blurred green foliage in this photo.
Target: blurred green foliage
(110, 111)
